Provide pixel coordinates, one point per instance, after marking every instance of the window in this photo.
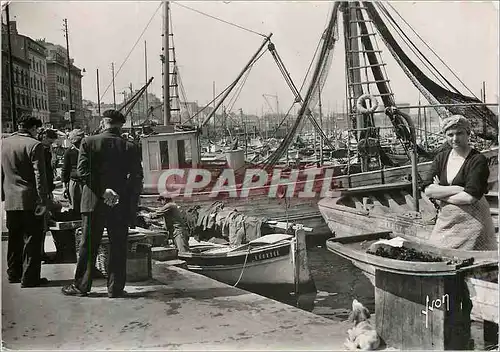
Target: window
(18, 98)
(22, 99)
(184, 153)
(164, 155)
(153, 155)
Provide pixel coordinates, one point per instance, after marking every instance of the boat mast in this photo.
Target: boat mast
(146, 107)
(166, 66)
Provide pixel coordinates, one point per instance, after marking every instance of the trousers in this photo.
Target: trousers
(93, 224)
(75, 195)
(24, 245)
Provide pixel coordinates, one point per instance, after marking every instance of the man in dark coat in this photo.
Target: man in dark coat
(72, 186)
(48, 137)
(110, 169)
(24, 185)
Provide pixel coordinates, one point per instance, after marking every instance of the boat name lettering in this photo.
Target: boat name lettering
(435, 303)
(267, 255)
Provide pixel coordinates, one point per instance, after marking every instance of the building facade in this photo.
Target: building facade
(38, 80)
(20, 80)
(58, 88)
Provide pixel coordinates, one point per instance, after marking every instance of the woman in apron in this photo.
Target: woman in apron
(459, 181)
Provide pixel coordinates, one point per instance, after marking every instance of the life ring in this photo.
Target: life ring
(373, 104)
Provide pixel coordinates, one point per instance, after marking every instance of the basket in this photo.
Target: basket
(138, 256)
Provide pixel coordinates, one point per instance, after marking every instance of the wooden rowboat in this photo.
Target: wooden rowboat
(274, 259)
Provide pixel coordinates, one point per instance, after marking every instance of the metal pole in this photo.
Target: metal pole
(131, 112)
(146, 76)
(447, 105)
(11, 74)
(425, 126)
(484, 92)
(114, 92)
(98, 96)
(166, 66)
(213, 94)
(69, 73)
(414, 176)
(321, 125)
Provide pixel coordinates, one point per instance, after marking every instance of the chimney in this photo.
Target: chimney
(13, 27)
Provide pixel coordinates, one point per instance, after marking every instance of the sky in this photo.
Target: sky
(463, 34)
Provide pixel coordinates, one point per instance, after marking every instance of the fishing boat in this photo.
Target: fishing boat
(172, 156)
(480, 267)
(359, 210)
(268, 260)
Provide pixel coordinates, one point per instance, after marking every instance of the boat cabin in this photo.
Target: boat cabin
(167, 150)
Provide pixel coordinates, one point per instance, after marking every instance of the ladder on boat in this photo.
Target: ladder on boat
(365, 71)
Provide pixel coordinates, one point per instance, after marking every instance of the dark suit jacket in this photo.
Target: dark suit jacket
(70, 162)
(106, 161)
(49, 170)
(24, 181)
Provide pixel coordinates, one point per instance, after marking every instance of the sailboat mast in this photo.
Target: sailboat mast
(113, 82)
(146, 107)
(166, 66)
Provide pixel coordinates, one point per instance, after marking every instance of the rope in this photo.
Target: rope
(423, 41)
(131, 50)
(243, 269)
(410, 44)
(220, 20)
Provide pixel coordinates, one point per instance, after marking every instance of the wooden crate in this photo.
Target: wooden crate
(422, 312)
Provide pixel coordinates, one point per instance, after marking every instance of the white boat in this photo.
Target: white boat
(274, 259)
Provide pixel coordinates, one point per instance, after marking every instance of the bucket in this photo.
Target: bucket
(235, 158)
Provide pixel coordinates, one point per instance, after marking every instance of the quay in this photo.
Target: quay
(176, 310)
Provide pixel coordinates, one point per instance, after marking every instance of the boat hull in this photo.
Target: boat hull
(281, 264)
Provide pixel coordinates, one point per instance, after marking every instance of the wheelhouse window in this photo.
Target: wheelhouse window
(164, 155)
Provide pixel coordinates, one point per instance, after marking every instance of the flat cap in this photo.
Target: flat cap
(114, 115)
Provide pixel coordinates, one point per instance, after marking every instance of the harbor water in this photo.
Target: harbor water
(337, 282)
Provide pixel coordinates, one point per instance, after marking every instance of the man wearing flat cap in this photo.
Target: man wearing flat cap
(110, 170)
(72, 186)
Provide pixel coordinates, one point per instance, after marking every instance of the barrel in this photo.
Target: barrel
(235, 158)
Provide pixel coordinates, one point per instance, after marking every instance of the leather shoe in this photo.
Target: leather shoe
(42, 281)
(72, 290)
(14, 280)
